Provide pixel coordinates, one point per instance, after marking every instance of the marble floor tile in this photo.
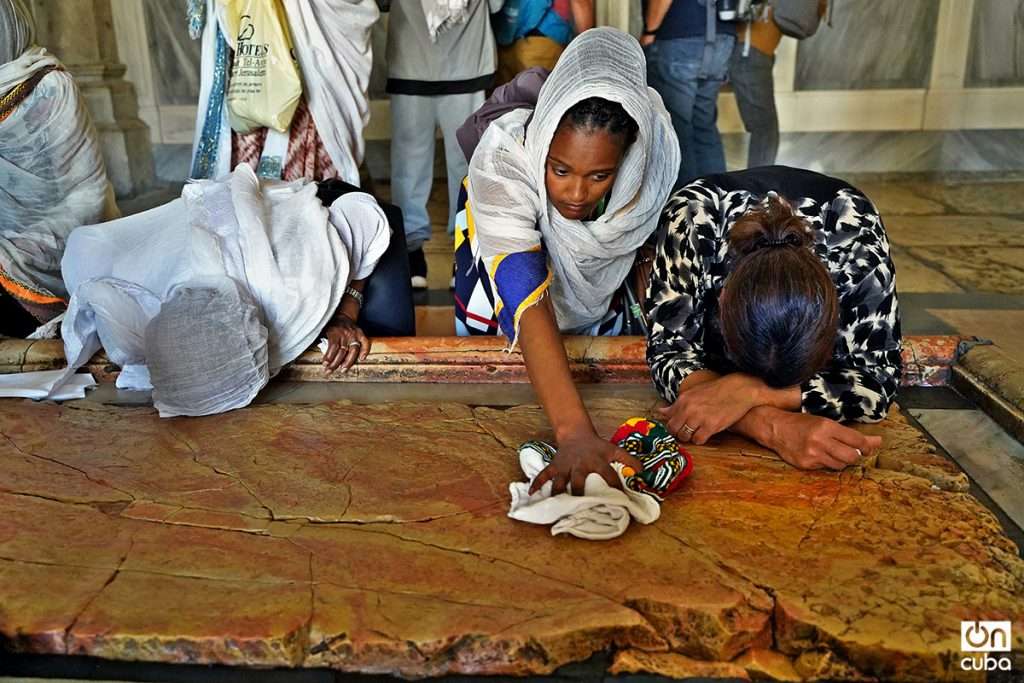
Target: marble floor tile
(914, 276)
(993, 459)
(919, 231)
(435, 321)
(439, 268)
(172, 162)
(157, 196)
(986, 269)
(897, 200)
(1005, 328)
(978, 198)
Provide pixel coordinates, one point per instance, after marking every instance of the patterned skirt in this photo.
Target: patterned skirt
(307, 156)
(475, 299)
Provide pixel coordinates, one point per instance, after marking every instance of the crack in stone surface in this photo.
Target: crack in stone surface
(120, 570)
(89, 603)
(234, 477)
(101, 505)
(490, 558)
(54, 461)
(821, 515)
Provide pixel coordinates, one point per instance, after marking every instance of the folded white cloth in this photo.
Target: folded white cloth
(601, 513)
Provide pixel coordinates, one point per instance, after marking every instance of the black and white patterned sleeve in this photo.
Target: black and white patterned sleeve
(861, 381)
(688, 239)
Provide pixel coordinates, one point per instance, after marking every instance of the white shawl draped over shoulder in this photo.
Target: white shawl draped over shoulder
(588, 260)
(52, 177)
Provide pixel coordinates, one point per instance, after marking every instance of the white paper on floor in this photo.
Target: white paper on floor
(38, 385)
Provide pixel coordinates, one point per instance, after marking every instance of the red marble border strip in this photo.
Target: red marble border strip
(482, 360)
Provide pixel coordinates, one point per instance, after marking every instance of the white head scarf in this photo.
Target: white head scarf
(19, 56)
(17, 31)
(589, 259)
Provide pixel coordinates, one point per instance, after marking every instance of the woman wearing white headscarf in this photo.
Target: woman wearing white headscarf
(52, 177)
(559, 200)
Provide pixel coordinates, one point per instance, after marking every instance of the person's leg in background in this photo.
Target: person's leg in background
(413, 128)
(707, 142)
(752, 81)
(672, 69)
(452, 112)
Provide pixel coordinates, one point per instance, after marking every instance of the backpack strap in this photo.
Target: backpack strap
(710, 31)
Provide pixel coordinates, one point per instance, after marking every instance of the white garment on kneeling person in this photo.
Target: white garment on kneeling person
(601, 513)
(207, 297)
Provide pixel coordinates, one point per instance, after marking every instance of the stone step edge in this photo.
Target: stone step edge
(927, 360)
(994, 380)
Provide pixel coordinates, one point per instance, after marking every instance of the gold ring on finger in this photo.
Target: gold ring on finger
(688, 429)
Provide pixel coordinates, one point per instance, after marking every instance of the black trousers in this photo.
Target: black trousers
(15, 321)
(388, 309)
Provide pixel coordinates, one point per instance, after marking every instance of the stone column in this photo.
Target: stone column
(81, 34)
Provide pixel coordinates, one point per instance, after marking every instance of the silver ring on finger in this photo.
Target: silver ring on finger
(355, 343)
(688, 429)
(859, 454)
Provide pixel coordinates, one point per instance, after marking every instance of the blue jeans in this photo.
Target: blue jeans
(414, 123)
(688, 78)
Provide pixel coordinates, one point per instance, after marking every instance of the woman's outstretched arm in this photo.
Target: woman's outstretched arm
(580, 450)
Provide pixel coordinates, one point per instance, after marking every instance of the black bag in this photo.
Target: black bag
(796, 18)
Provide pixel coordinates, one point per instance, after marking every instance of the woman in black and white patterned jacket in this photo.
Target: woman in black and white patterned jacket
(773, 314)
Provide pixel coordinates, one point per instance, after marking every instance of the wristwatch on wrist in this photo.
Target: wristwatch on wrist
(355, 294)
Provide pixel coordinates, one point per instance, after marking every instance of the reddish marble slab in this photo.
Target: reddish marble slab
(375, 539)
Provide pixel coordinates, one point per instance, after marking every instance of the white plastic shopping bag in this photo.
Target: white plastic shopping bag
(265, 83)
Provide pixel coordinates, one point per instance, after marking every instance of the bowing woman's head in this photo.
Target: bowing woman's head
(779, 308)
(585, 155)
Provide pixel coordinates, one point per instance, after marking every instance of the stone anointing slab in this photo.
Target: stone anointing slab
(375, 539)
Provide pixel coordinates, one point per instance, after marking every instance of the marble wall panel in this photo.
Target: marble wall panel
(175, 56)
(996, 53)
(871, 44)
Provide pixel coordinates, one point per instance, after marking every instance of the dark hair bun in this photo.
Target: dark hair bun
(771, 225)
